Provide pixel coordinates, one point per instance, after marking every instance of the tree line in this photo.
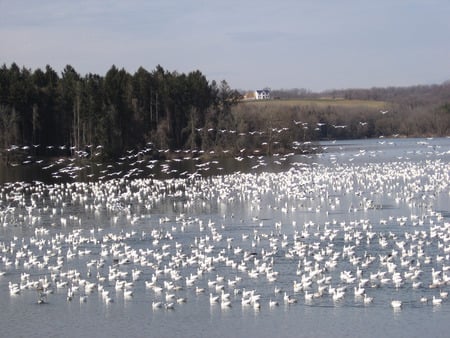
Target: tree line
(117, 111)
(415, 111)
(176, 111)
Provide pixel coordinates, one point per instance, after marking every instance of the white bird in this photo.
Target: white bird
(169, 306)
(359, 291)
(69, 294)
(367, 299)
(225, 303)
(308, 296)
(273, 303)
(437, 301)
(213, 298)
(288, 299)
(224, 296)
(199, 290)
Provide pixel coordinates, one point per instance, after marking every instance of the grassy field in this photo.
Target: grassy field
(319, 103)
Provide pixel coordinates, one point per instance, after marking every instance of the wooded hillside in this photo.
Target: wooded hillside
(117, 111)
(173, 111)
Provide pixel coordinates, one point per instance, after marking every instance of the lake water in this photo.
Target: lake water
(364, 214)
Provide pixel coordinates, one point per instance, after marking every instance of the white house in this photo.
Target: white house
(262, 94)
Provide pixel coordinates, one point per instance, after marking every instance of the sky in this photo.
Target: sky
(312, 44)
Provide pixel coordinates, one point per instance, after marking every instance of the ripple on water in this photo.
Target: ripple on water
(314, 225)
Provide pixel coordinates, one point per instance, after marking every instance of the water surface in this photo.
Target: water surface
(359, 200)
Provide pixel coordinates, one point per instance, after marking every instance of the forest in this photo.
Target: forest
(117, 112)
(159, 109)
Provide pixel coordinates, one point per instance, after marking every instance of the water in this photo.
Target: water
(358, 199)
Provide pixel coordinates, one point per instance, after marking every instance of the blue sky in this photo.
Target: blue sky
(312, 44)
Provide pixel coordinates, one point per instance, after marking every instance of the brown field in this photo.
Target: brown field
(319, 103)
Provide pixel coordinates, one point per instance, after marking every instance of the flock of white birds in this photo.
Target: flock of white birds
(341, 235)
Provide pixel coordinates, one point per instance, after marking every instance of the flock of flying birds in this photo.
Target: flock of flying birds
(313, 235)
(141, 162)
(138, 162)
